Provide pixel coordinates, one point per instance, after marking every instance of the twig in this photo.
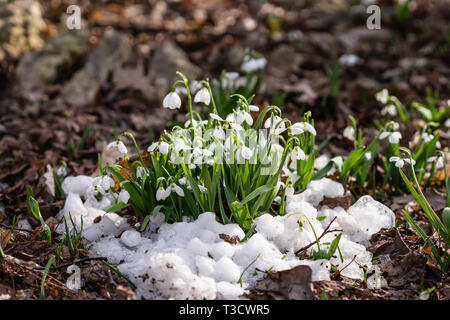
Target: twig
(320, 237)
(348, 264)
(73, 262)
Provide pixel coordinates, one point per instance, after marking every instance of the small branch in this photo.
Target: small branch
(73, 262)
(327, 230)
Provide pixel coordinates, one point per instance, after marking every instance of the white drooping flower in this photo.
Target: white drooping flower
(382, 96)
(246, 152)
(389, 109)
(203, 96)
(119, 145)
(164, 147)
(172, 101)
(290, 191)
(178, 190)
(124, 196)
(349, 133)
(428, 137)
(160, 194)
(141, 172)
(439, 161)
(394, 137)
(304, 126)
(216, 117)
(297, 128)
(297, 154)
(243, 116)
(182, 181)
(251, 64)
(202, 188)
(348, 60)
(399, 162)
(180, 145)
(275, 122)
(253, 108)
(152, 147)
(106, 182)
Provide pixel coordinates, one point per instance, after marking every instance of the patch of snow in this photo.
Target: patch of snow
(189, 260)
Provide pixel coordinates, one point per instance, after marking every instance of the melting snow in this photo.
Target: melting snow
(189, 260)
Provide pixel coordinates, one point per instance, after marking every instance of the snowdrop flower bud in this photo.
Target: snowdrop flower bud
(172, 101)
(119, 145)
(349, 133)
(164, 147)
(382, 96)
(140, 172)
(203, 96)
(124, 196)
(348, 60)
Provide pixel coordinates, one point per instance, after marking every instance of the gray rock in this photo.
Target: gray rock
(167, 60)
(111, 53)
(20, 26)
(283, 61)
(36, 69)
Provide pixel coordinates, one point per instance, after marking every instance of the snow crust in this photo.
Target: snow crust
(190, 260)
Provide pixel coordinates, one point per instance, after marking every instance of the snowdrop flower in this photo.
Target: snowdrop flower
(124, 196)
(106, 183)
(202, 188)
(159, 194)
(297, 154)
(447, 123)
(399, 162)
(62, 171)
(290, 191)
(389, 109)
(172, 101)
(243, 116)
(216, 117)
(428, 137)
(297, 128)
(348, 60)
(382, 96)
(119, 145)
(203, 96)
(253, 108)
(140, 172)
(439, 161)
(164, 147)
(305, 126)
(180, 145)
(177, 189)
(152, 147)
(275, 122)
(252, 64)
(349, 133)
(246, 152)
(394, 137)
(182, 181)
